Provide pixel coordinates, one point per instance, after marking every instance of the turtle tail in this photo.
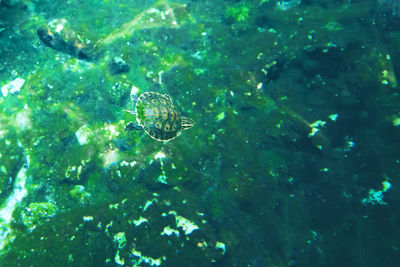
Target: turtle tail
(187, 123)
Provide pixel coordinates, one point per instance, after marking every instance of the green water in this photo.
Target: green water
(293, 159)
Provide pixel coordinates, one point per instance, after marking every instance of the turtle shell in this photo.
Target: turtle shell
(158, 116)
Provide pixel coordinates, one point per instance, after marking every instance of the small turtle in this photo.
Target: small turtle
(158, 117)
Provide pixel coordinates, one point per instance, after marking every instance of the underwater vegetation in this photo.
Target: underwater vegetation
(292, 159)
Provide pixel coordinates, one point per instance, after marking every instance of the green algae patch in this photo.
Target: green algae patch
(243, 181)
(79, 193)
(239, 12)
(128, 229)
(37, 213)
(11, 158)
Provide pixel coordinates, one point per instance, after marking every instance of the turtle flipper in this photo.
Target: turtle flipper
(132, 126)
(187, 123)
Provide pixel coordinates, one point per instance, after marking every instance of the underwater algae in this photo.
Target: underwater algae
(76, 154)
(292, 161)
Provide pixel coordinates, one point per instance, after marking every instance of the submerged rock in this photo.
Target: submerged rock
(118, 66)
(58, 35)
(12, 87)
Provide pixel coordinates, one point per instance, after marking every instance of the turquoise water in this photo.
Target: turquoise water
(293, 159)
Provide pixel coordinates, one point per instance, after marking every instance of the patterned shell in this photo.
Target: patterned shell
(158, 116)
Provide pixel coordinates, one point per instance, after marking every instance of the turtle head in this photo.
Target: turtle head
(187, 123)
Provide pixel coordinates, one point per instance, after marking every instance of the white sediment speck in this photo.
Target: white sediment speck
(386, 185)
(197, 55)
(110, 156)
(315, 127)
(19, 192)
(221, 116)
(318, 123)
(118, 260)
(333, 117)
(350, 144)
(126, 163)
(22, 119)
(87, 218)
(376, 196)
(58, 24)
(120, 239)
(159, 155)
(12, 87)
(83, 134)
(313, 132)
(149, 203)
(140, 221)
(187, 226)
(59, 27)
(169, 231)
(396, 121)
(162, 179)
(144, 259)
(111, 129)
(221, 246)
